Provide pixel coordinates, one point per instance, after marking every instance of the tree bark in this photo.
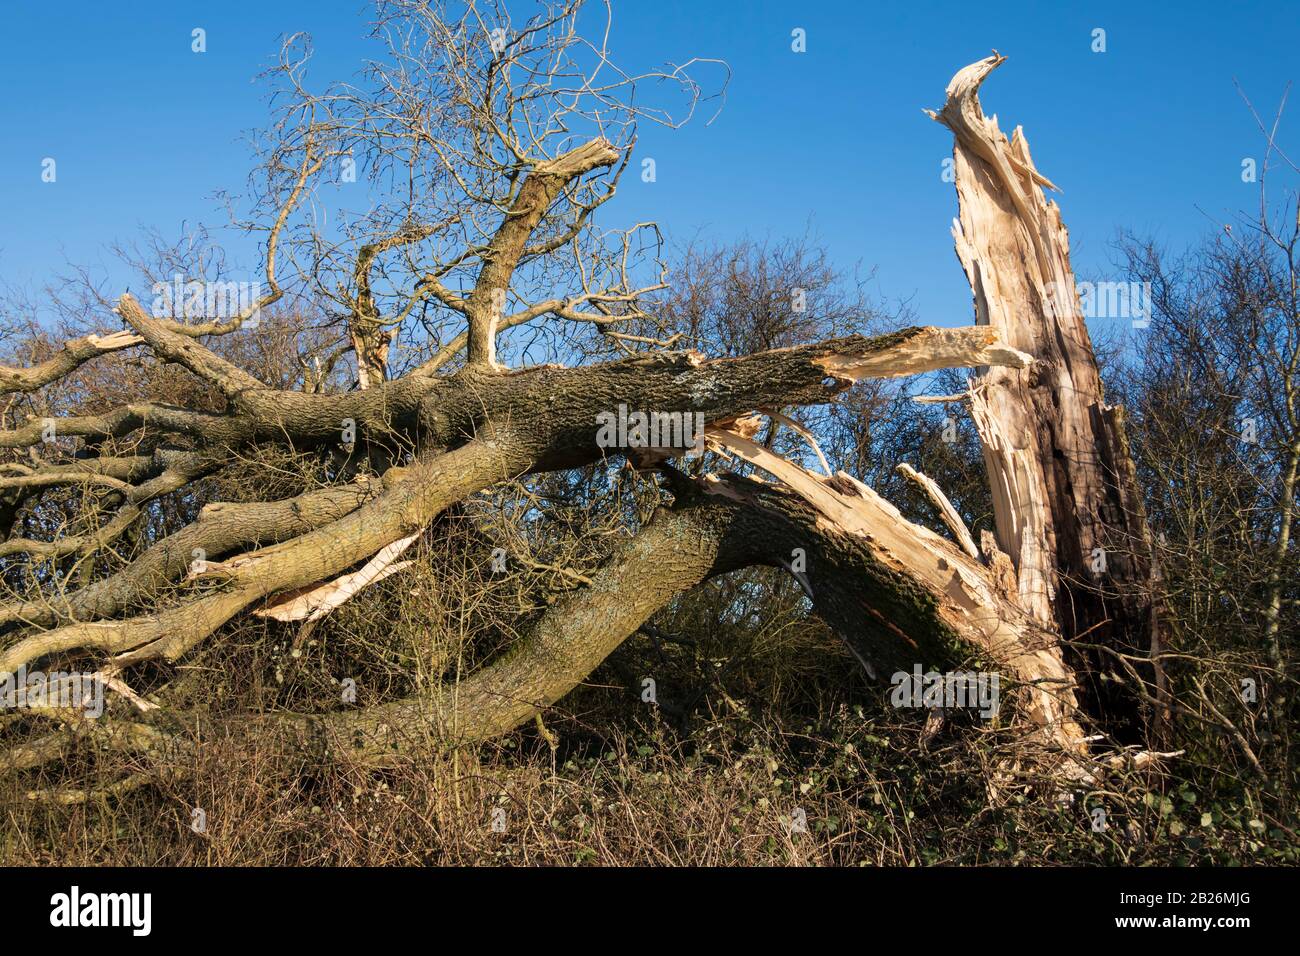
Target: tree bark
(1062, 480)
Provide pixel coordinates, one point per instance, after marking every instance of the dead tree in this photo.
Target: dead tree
(1065, 494)
(461, 422)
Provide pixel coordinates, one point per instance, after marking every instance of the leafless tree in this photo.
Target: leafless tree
(488, 146)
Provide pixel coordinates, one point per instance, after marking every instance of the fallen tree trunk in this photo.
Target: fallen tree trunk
(498, 433)
(507, 437)
(897, 592)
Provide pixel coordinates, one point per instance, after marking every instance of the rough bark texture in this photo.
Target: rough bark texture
(896, 593)
(899, 594)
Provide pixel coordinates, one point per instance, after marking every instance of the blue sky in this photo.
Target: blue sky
(1149, 135)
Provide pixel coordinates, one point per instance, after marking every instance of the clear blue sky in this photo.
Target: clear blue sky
(145, 131)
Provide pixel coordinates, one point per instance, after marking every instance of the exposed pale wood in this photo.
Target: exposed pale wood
(928, 351)
(1019, 498)
(999, 565)
(946, 510)
(313, 603)
(1063, 487)
(938, 399)
(73, 354)
(803, 433)
(967, 599)
(110, 679)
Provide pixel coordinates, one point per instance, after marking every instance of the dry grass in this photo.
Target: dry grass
(766, 745)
